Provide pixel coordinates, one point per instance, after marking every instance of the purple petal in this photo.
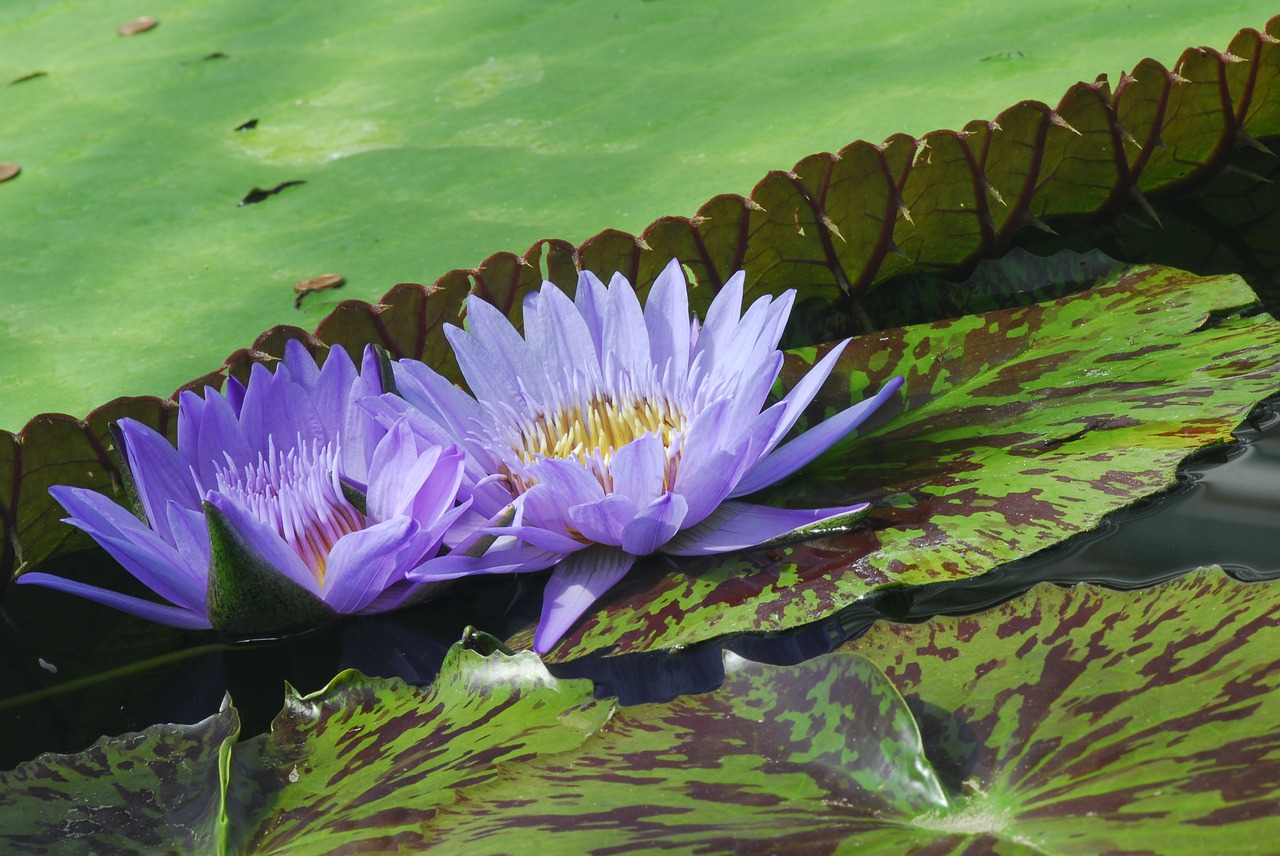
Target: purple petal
(190, 536)
(788, 458)
(666, 317)
(624, 329)
(722, 317)
(543, 539)
(484, 370)
(741, 525)
(267, 542)
(592, 300)
(220, 437)
(575, 584)
(406, 482)
(559, 338)
(364, 563)
(158, 474)
(654, 525)
(300, 364)
(803, 392)
(157, 564)
(639, 470)
(522, 558)
(174, 616)
(602, 521)
(704, 489)
(331, 397)
(442, 402)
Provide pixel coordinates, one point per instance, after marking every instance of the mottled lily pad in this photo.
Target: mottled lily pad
(1067, 721)
(1020, 428)
(1088, 721)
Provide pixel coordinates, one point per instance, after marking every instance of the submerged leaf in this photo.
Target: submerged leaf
(1022, 427)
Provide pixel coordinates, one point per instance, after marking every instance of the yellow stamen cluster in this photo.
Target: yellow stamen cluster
(600, 427)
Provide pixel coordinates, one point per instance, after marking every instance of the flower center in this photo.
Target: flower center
(297, 493)
(597, 429)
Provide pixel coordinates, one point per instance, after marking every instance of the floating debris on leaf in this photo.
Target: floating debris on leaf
(137, 25)
(253, 197)
(23, 78)
(247, 126)
(8, 170)
(316, 283)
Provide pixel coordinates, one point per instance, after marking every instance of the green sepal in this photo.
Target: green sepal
(127, 484)
(386, 376)
(354, 495)
(247, 596)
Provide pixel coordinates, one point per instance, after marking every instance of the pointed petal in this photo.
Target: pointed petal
(666, 317)
(158, 474)
(602, 521)
(575, 584)
(592, 300)
(741, 525)
(492, 330)
(708, 486)
(624, 329)
(364, 563)
(157, 564)
(421, 485)
(559, 338)
(331, 397)
(543, 539)
(639, 470)
(803, 392)
(518, 559)
(485, 372)
(722, 317)
(174, 616)
(654, 525)
(220, 437)
(786, 459)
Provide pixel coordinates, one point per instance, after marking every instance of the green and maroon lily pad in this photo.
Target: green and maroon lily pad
(156, 791)
(362, 763)
(1018, 429)
(1089, 721)
(1075, 720)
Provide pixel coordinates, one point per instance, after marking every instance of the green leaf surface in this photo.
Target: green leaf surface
(1020, 428)
(362, 763)
(1069, 720)
(365, 762)
(157, 791)
(423, 137)
(809, 755)
(1089, 721)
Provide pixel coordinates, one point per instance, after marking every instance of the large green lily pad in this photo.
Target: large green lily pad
(1087, 721)
(1020, 428)
(1067, 721)
(431, 135)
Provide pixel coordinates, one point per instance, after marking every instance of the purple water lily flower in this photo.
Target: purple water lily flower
(615, 432)
(282, 505)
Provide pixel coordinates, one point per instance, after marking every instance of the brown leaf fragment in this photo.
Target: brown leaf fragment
(316, 283)
(8, 170)
(137, 25)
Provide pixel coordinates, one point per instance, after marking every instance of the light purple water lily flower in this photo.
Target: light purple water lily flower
(282, 505)
(615, 432)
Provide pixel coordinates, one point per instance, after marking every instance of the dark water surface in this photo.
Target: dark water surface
(71, 670)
